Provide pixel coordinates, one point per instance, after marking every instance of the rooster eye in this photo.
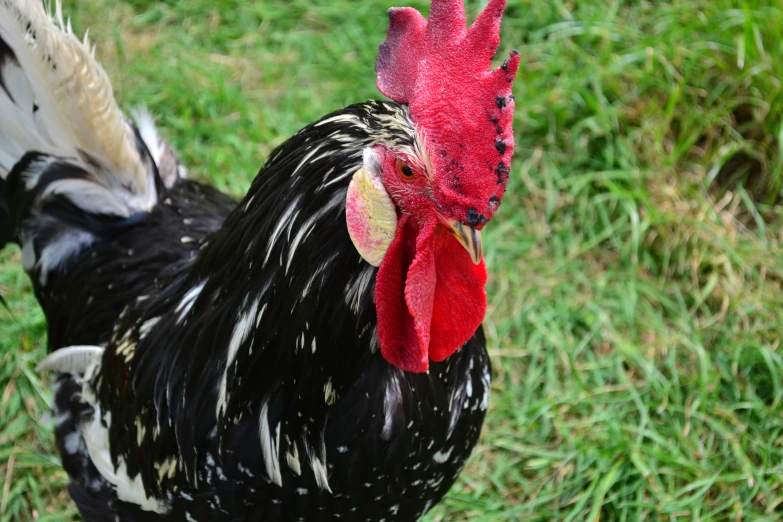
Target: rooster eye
(404, 170)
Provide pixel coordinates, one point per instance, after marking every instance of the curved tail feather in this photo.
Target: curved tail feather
(58, 100)
(70, 161)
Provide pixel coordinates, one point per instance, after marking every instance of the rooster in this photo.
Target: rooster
(311, 352)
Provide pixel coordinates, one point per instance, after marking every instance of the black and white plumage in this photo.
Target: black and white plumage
(241, 377)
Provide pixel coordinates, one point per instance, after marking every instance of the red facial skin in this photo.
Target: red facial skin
(429, 294)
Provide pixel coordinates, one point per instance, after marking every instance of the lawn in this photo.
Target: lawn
(636, 264)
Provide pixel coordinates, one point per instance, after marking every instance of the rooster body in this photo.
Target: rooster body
(222, 360)
(324, 439)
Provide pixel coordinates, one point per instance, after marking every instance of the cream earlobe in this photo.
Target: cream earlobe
(370, 215)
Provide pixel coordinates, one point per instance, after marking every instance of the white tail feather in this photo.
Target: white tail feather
(76, 112)
(73, 359)
(162, 154)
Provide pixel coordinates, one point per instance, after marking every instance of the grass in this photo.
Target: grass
(636, 268)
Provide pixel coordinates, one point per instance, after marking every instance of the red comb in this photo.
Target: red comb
(443, 72)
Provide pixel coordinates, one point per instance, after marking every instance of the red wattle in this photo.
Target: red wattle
(429, 296)
(460, 297)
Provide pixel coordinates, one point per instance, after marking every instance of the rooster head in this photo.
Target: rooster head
(416, 212)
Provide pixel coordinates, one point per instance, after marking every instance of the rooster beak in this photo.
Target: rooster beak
(467, 236)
